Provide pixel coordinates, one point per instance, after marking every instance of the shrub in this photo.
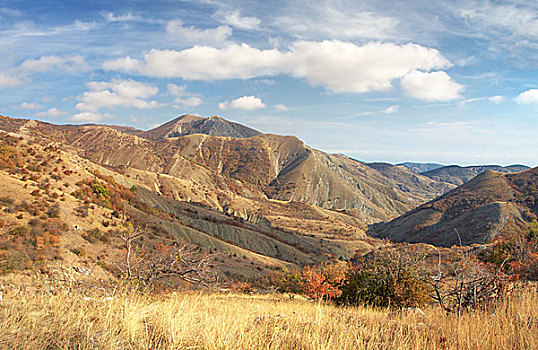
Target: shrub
(54, 211)
(20, 231)
(388, 279)
(320, 282)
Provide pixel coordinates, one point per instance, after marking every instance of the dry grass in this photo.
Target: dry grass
(223, 321)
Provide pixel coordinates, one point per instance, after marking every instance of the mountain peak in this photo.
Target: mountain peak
(188, 124)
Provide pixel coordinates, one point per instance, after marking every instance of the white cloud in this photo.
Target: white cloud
(89, 117)
(391, 109)
(128, 17)
(176, 90)
(192, 101)
(183, 97)
(336, 65)
(10, 12)
(234, 19)
(196, 35)
(527, 97)
(52, 112)
(245, 103)
(117, 93)
(30, 105)
(487, 17)
(7, 80)
(22, 73)
(70, 64)
(434, 86)
(325, 22)
(496, 99)
(281, 107)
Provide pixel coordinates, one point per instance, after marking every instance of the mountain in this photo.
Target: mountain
(411, 182)
(188, 124)
(228, 173)
(458, 175)
(477, 211)
(420, 167)
(61, 212)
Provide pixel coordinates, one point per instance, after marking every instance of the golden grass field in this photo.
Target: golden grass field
(232, 321)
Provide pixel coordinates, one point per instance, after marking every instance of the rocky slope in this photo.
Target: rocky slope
(187, 159)
(63, 213)
(458, 175)
(420, 167)
(475, 212)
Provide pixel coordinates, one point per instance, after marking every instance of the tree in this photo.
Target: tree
(322, 282)
(465, 282)
(387, 279)
(164, 262)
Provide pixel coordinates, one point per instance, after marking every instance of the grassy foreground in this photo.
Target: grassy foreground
(228, 321)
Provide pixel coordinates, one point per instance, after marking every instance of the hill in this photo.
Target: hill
(475, 212)
(420, 167)
(188, 124)
(411, 182)
(458, 175)
(221, 171)
(62, 213)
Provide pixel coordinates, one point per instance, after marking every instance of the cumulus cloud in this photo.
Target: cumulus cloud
(496, 99)
(527, 97)
(128, 17)
(245, 103)
(52, 112)
(391, 109)
(70, 64)
(184, 97)
(89, 117)
(116, 93)
(434, 86)
(336, 65)
(192, 34)
(281, 107)
(30, 105)
(22, 73)
(7, 80)
(234, 19)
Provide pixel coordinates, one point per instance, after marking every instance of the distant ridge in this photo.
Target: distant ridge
(420, 167)
(476, 212)
(459, 175)
(189, 124)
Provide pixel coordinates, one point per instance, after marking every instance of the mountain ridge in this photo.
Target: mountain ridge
(475, 212)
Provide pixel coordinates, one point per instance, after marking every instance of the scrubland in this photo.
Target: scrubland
(239, 321)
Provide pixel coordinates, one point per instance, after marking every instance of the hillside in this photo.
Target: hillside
(420, 167)
(458, 175)
(190, 124)
(411, 182)
(478, 211)
(63, 213)
(221, 171)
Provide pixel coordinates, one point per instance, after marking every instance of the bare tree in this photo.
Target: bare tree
(467, 282)
(165, 262)
(128, 237)
(177, 261)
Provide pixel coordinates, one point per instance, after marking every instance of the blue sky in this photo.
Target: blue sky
(454, 82)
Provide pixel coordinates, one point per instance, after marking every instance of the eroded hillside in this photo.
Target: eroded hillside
(227, 173)
(476, 212)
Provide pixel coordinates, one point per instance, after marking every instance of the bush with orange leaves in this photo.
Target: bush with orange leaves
(323, 281)
(516, 252)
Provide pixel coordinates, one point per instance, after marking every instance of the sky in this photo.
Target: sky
(452, 82)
